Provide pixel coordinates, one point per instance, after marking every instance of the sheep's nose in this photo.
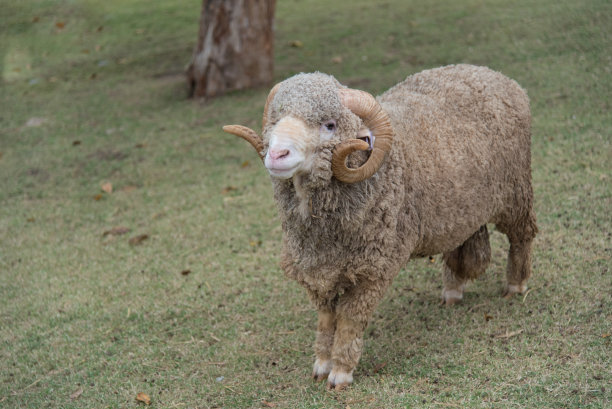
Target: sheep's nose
(279, 154)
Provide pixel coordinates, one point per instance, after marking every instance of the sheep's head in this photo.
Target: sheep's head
(307, 110)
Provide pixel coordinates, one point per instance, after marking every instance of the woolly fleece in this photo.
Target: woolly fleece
(460, 159)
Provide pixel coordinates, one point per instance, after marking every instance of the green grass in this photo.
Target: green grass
(80, 311)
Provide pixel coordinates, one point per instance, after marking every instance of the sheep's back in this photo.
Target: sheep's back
(465, 132)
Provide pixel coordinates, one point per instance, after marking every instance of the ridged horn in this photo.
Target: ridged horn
(365, 106)
(250, 135)
(271, 95)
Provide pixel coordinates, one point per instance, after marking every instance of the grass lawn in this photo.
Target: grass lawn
(169, 284)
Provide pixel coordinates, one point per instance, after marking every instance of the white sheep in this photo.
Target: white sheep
(363, 185)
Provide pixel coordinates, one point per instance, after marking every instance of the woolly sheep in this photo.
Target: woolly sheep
(363, 185)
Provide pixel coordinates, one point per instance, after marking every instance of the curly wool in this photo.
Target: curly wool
(460, 155)
(310, 97)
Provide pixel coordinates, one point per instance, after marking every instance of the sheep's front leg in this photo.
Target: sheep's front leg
(353, 311)
(323, 344)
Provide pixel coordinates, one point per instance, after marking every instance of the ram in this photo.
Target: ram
(363, 185)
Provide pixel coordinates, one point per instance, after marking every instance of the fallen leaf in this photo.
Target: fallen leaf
(268, 404)
(30, 219)
(605, 335)
(100, 29)
(36, 19)
(380, 366)
(75, 143)
(139, 31)
(117, 231)
(107, 187)
(228, 189)
(245, 164)
(85, 51)
(143, 397)
(136, 240)
(98, 196)
(296, 44)
(60, 24)
(93, 76)
(507, 334)
(139, 145)
(337, 60)
(185, 272)
(76, 394)
(487, 317)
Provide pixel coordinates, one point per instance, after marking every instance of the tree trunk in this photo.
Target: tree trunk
(235, 47)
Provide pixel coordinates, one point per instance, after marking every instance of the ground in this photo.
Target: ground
(139, 244)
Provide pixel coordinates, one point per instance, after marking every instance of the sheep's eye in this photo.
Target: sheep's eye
(330, 125)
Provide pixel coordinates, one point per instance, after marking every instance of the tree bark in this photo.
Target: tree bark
(235, 47)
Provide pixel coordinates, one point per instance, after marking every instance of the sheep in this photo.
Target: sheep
(365, 184)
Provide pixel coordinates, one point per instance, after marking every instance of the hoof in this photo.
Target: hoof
(321, 369)
(451, 297)
(339, 380)
(512, 289)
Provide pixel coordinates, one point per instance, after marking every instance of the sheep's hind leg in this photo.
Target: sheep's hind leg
(519, 267)
(323, 344)
(521, 235)
(465, 262)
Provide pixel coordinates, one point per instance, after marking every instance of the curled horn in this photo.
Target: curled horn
(250, 135)
(366, 107)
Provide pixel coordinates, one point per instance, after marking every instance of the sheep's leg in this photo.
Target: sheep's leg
(520, 234)
(466, 262)
(353, 311)
(323, 344)
(519, 267)
(453, 283)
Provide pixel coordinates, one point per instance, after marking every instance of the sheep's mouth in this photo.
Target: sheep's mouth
(282, 172)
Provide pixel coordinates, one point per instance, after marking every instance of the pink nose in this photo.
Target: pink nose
(279, 154)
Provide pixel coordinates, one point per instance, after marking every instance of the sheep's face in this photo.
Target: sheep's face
(305, 116)
(292, 145)
(312, 125)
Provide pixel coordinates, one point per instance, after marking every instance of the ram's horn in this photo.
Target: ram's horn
(250, 135)
(366, 107)
(271, 95)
